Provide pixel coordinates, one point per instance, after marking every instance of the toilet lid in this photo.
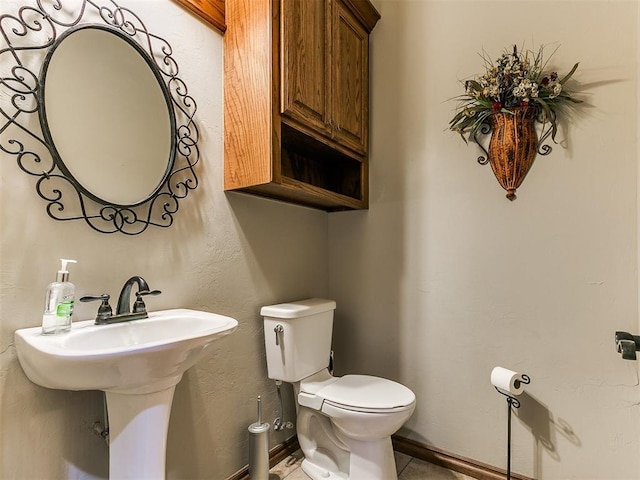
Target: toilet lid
(366, 392)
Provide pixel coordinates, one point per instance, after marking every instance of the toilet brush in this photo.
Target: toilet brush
(259, 447)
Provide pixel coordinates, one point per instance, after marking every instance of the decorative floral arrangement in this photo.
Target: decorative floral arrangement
(516, 79)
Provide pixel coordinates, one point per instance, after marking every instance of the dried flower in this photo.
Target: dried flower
(516, 79)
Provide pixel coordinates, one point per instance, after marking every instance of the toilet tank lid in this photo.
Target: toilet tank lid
(301, 308)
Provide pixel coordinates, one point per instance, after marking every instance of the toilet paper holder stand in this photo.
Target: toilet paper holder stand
(512, 402)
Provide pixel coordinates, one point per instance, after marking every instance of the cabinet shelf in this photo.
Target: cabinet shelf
(306, 160)
(304, 194)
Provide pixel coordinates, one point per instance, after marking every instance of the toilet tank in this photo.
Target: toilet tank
(297, 337)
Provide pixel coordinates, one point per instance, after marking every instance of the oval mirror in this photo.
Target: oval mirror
(108, 115)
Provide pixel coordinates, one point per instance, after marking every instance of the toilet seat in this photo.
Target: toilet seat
(360, 393)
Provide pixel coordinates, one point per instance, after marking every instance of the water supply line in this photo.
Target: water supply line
(100, 429)
(279, 424)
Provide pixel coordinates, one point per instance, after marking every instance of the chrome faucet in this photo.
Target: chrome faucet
(123, 312)
(125, 296)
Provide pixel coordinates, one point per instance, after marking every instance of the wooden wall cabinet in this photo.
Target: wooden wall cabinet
(297, 100)
(211, 11)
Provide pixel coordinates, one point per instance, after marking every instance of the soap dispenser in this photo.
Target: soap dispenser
(58, 303)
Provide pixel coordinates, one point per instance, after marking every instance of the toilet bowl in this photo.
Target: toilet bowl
(344, 424)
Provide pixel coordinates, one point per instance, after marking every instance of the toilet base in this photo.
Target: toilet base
(371, 460)
(318, 473)
(330, 454)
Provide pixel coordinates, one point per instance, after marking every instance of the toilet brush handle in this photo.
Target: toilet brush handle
(259, 410)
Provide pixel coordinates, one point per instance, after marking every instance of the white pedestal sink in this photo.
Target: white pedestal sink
(137, 364)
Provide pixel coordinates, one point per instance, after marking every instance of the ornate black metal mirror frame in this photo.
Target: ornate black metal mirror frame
(28, 36)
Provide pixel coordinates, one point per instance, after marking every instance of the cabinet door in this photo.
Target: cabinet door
(303, 76)
(349, 67)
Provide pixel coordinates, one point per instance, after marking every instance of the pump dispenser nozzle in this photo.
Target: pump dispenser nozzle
(63, 273)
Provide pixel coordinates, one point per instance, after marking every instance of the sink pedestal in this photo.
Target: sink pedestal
(138, 425)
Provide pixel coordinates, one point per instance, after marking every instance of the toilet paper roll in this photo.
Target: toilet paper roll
(508, 381)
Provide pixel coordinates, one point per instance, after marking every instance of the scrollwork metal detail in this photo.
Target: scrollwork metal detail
(511, 400)
(484, 129)
(541, 148)
(547, 130)
(26, 36)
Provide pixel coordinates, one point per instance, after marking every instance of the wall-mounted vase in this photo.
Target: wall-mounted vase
(513, 146)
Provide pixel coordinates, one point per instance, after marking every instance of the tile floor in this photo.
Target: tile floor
(408, 469)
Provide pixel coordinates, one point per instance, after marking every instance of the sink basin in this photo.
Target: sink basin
(133, 357)
(137, 364)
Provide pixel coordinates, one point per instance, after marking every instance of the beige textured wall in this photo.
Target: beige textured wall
(225, 253)
(443, 278)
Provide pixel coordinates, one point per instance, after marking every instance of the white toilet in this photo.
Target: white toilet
(345, 423)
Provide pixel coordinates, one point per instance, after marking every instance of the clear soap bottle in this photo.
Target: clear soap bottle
(58, 302)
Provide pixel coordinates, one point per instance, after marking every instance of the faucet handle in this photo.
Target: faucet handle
(138, 305)
(104, 310)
